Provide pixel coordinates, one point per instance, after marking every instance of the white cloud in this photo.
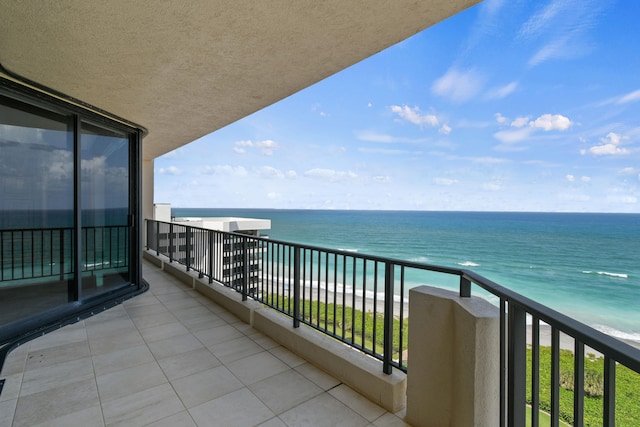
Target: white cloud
(629, 97)
(520, 122)
(414, 115)
(291, 174)
(500, 118)
(562, 26)
(445, 181)
(585, 178)
(382, 178)
(170, 170)
(445, 129)
(458, 86)
(570, 178)
(268, 172)
(266, 147)
(228, 170)
(491, 186)
(510, 135)
(627, 171)
(489, 160)
(524, 127)
(610, 146)
(549, 122)
(330, 175)
(502, 91)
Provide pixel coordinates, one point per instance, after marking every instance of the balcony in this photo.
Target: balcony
(173, 357)
(202, 347)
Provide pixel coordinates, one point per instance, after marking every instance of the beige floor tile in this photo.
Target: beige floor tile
(151, 320)
(273, 422)
(16, 360)
(287, 356)
(55, 376)
(357, 402)
(174, 345)
(146, 309)
(191, 362)
(129, 381)
(142, 408)
(318, 376)
(115, 342)
(181, 419)
(88, 417)
(54, 403)
(239, 408)
(121, 359)
(7, 410)
(264, 341)
(110, 327)
(283, 391)
(217, 335)
(196, 311)
(204, 323)
(204, 386)
(54, 355)
(322, 410)
(256, 368)
(182, 303)
(11, 388)
(390, 420)
(66, 335)
(236, 349)
(161, 332)
(140, 300)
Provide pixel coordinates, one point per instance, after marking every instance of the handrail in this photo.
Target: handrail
(302, 281)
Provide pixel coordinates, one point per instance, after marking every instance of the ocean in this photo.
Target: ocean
(585, 265)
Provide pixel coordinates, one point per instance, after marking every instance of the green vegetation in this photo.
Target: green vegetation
(627, 389)
(351, 325)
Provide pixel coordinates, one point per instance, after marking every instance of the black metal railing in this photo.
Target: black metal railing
(362, 301)
(27, 254)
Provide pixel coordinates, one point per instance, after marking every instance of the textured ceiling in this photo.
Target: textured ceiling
(184, 69)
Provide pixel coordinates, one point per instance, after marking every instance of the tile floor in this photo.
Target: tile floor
(171, 357)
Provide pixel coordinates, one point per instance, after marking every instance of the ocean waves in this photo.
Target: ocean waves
(606, 273)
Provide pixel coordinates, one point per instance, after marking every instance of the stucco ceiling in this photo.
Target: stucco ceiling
(183, 69)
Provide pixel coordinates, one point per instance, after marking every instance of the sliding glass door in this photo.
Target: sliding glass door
(68, 203)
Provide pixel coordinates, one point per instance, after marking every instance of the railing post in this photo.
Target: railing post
(465, 287)
(517, 365)
(388, 318)
(171, 238)
(158, 238)
(245, 267)
(296, 287)
(187, 238)
(609, 409)
(211, 256)
(61, 253)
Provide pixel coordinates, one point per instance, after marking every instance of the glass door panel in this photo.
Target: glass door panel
(36, 210)
(106, 228)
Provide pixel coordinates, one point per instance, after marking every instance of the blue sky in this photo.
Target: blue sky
(507, 106)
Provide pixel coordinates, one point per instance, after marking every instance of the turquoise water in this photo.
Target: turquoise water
(584, 265)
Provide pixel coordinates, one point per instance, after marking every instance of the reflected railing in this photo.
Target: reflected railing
(362, 300)
(28, 254)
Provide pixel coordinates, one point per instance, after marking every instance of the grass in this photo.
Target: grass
(351, 325)
(627, 389)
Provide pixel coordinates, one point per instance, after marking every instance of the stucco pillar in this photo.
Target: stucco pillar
(147, 195)
(454, 360)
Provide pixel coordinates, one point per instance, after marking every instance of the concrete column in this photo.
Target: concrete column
(147, 189)
(454, 360)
